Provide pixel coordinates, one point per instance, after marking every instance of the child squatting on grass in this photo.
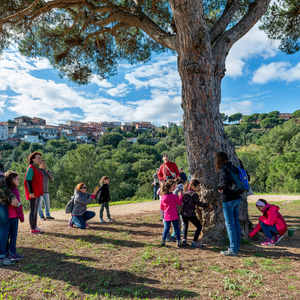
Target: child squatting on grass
(168, 206)
(271, 222)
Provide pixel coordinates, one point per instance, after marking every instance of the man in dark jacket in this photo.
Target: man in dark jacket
(182, 175)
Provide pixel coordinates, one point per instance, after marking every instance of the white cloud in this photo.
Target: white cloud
(254, 43)
(282, 71)
(58, 102)
(245, 103)
(120, 91)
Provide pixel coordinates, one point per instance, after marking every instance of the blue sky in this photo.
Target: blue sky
(259, 78)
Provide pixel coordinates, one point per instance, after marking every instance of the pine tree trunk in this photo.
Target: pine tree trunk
(203, 123)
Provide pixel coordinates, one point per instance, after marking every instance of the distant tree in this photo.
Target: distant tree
(296, 114)
(34, 147)
(118, 129)
(270, 122)
(109, 129)
(234, 118)
(24, 145)
(262, 116)
(254, 117)
(273, 114)
(112, 138)
(225, 117)
(124, 144)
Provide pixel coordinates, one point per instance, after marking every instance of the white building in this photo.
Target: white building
(82, 137)
(31, 138)
(49, 132)
(3, 132)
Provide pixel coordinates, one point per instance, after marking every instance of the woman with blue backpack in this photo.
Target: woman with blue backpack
(230, 187)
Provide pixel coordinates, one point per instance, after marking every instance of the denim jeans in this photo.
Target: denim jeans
(231, 215)
(155, 189)
(12, 237)
(4, 229)
(80, 221)
(268, 230)
(106, 205)
(167, 225)
(34, 206)
(46, 200)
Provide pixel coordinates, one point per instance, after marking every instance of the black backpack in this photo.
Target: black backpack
(237, 186)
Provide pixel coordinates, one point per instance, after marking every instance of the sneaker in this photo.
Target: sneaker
(228, 247)
(178, 243)
(278, 238)
(16, 256)
(196, 245)
(171, 239)
(173, 234)
(43, 218)
(110, 220)
(229, 253)
(41, 230)
(36, 230)
(163, 243)
(50, 218)
(184, 243)
(70, 223)
(102, 221)
(268, 242)
(6, 261)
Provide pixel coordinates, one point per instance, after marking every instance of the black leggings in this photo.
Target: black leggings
(34, 205)
(195, 221)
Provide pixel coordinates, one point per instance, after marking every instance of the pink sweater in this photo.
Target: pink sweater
(168, 205)
(16, 212)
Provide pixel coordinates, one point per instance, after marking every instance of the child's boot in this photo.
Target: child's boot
(178, 243)
(163, 243)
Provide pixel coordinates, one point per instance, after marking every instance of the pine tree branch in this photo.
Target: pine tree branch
(221, 48)
(224, 20)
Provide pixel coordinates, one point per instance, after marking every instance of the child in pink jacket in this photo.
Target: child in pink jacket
(15, 214)
(271, 222)
(168, 206)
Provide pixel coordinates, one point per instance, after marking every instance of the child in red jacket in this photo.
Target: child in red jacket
(271, 222)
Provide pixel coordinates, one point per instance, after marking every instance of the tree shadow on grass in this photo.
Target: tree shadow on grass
(90, 238)
(91, 280)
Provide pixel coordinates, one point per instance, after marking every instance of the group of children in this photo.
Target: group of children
(178, 202)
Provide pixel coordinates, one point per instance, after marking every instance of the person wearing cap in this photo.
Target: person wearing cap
(155, 184)
(271, 223)
(182, 175)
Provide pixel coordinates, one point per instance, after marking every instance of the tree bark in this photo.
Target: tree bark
(203, 123)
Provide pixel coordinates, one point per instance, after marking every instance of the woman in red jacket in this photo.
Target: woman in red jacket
(33, 184)
(271, 222)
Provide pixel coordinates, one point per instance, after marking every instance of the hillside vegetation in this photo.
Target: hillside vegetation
(272, 159)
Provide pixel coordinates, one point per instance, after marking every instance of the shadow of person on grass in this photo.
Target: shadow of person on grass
(75, 271)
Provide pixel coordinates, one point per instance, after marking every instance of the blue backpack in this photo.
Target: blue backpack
(237, 186)
(244, 178)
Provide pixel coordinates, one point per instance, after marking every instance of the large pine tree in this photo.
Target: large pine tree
(85, 37)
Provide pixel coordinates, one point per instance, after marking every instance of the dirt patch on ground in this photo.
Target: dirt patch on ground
(123, 260)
